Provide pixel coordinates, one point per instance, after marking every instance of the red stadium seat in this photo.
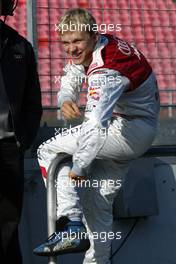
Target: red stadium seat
(166, 81)
(147, 19)
(123, 17)
(55, 14)
(136, 19)
(43, 32)
(173, 35)
(57, 50)
(164, 18)
(54, 3)
(45, 82)
(107, 4)
(164, 34)
(172, 49)
(110, 17)
(165, 98)
(171, 5)
(136, 4)
(166, 66)
(44, 66)
(138, 34)
(42, 16)
(149, 34)
(68, 4)
(54, 102)
(172, 18)
(95, 4)
(121, 4)
(151, 18)
(126, 33)
(161, 5)
(173, 65)
(152, 50)
(56, 66)
(42, 3)
(98, 15)
(156, 65)
(163, 50)
(46, 99)
(43, 49)
(149, 4)
(161, 81)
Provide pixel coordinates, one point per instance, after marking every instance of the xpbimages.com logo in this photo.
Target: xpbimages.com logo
(101, 236)
(102, 28)
(104, 185)
(99, 79)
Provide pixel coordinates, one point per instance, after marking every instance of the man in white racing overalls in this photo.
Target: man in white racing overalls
(119, 125)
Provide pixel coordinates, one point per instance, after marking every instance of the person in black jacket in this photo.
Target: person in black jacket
(20, 114)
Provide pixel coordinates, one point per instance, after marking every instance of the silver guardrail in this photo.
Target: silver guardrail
(51, 194)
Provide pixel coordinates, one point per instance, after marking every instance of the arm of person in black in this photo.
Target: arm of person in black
(31, 107)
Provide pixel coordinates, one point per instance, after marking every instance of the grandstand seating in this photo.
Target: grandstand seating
(147, 24)
(150, 25)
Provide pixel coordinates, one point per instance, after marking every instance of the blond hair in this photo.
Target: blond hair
(77, 19)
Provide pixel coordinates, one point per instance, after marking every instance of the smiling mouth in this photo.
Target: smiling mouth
(76, 56)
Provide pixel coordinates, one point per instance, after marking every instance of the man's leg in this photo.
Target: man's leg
(126, 140)
(97, 208)
(11, 195)
(62, 142)
(68, 201)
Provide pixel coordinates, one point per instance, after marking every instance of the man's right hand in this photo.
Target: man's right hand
(70, 110)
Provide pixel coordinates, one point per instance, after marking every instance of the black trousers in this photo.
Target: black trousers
(11, 197)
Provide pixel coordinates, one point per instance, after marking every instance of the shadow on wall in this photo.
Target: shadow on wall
(151, 239)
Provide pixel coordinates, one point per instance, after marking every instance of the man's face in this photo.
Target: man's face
(79, 45)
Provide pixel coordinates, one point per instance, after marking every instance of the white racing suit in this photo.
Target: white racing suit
(120, 125)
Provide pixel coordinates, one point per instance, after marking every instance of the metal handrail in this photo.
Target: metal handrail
(51, 194)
